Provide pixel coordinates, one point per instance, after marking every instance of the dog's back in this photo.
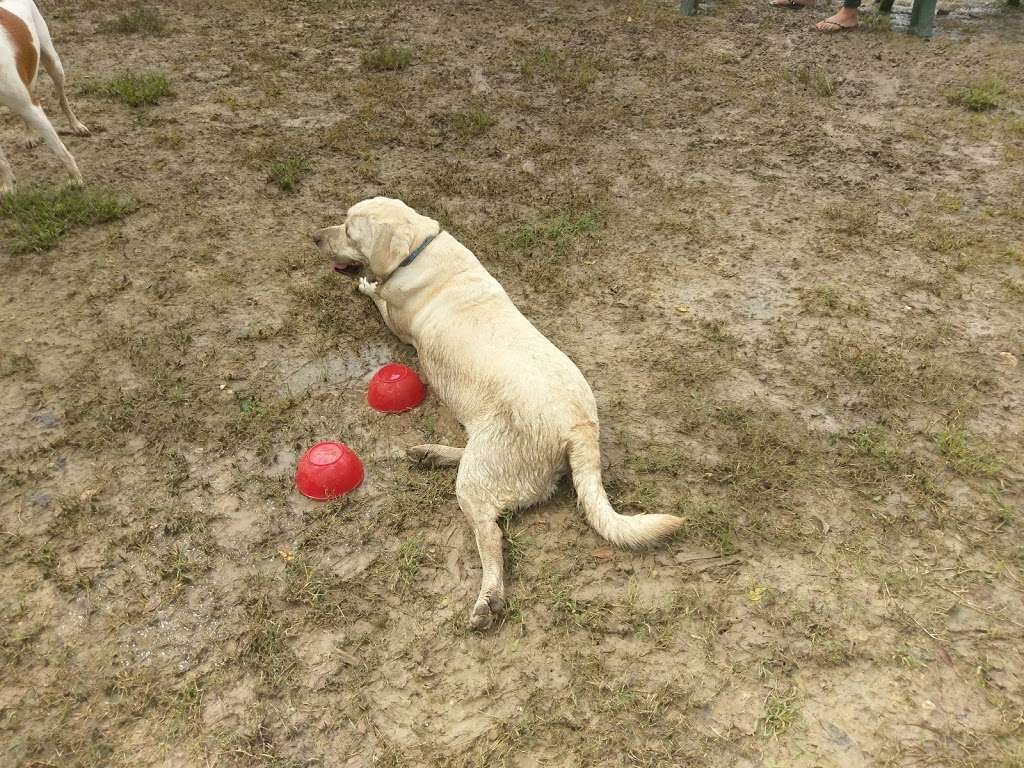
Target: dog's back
(486, 358)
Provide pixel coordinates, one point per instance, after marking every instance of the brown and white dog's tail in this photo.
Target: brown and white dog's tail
(624, 530)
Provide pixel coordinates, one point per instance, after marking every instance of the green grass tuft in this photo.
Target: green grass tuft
(135, 89)
(815, 78)
(286, 173)
(567, 70)
(962, 450)
(39, 217)
(387, 59)
(562, 231)
(983, 96)
(781, 711)
(473, 122)
(138, 21)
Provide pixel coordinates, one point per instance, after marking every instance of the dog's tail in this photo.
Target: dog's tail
(624, 530)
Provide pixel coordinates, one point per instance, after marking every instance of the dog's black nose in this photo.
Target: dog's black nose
(318, 238)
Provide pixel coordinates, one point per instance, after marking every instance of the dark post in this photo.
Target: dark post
(922, 18)
(688, 7)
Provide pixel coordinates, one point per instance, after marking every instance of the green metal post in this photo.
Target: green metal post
(688, 7)
(922, 18)
(885, 6)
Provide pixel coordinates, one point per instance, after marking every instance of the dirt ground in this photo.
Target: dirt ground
(790, 265)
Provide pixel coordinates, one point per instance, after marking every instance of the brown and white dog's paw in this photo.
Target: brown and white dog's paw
(487, 610)
(80, 130)
(31, 141)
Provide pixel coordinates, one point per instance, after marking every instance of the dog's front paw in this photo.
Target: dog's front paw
(80, 130)
(31, 142)
(367, 288)
(486, 611)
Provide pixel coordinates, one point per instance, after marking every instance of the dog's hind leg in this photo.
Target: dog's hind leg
(432, 455)
(482, 511)
(50, 60)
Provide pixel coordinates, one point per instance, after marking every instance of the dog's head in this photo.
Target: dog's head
(378, 234)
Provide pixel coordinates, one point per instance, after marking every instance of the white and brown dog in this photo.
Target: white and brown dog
(24, 42)
(528, 412)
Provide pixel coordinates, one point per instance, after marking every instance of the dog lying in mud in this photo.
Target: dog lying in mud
(528, 413)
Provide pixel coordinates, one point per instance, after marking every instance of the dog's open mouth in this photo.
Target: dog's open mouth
(352, 270)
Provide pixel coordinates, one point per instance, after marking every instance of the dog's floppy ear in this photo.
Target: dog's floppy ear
(392, 243)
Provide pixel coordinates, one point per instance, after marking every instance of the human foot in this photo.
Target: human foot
(846, 18)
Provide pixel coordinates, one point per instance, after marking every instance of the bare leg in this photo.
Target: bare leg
(433, 455)
(38, 121)
(6, 175)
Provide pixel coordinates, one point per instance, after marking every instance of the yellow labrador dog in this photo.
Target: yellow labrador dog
(528, 412)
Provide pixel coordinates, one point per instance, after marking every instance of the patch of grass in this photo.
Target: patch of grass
(39, 217)
(764, 454)
(781, 711)
(889, 377)
(263, 646)
(178, 566)
(387, 59)
(940, 238)
(304, 584)
(473, 122)
(138, 21)
(286, 173)
(560, 232)
(965, 455)
(137, 89)
(814, 78)
(874, 463)
(851, 219)
(981, 96)
(713, 526)
(569, 71)
(407, 562)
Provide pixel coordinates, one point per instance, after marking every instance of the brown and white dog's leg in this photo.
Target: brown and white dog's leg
(51, 61)
(32, 139)
(37, 120)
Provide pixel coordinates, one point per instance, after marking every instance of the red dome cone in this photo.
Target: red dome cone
(395, 388)
(328, 470)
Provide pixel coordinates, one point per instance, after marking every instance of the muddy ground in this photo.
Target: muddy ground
(791, 266)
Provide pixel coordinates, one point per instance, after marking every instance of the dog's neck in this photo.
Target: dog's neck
(412, 256)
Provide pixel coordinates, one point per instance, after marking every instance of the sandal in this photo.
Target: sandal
(832, 27)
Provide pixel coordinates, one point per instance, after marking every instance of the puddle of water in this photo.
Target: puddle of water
(343, 370)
